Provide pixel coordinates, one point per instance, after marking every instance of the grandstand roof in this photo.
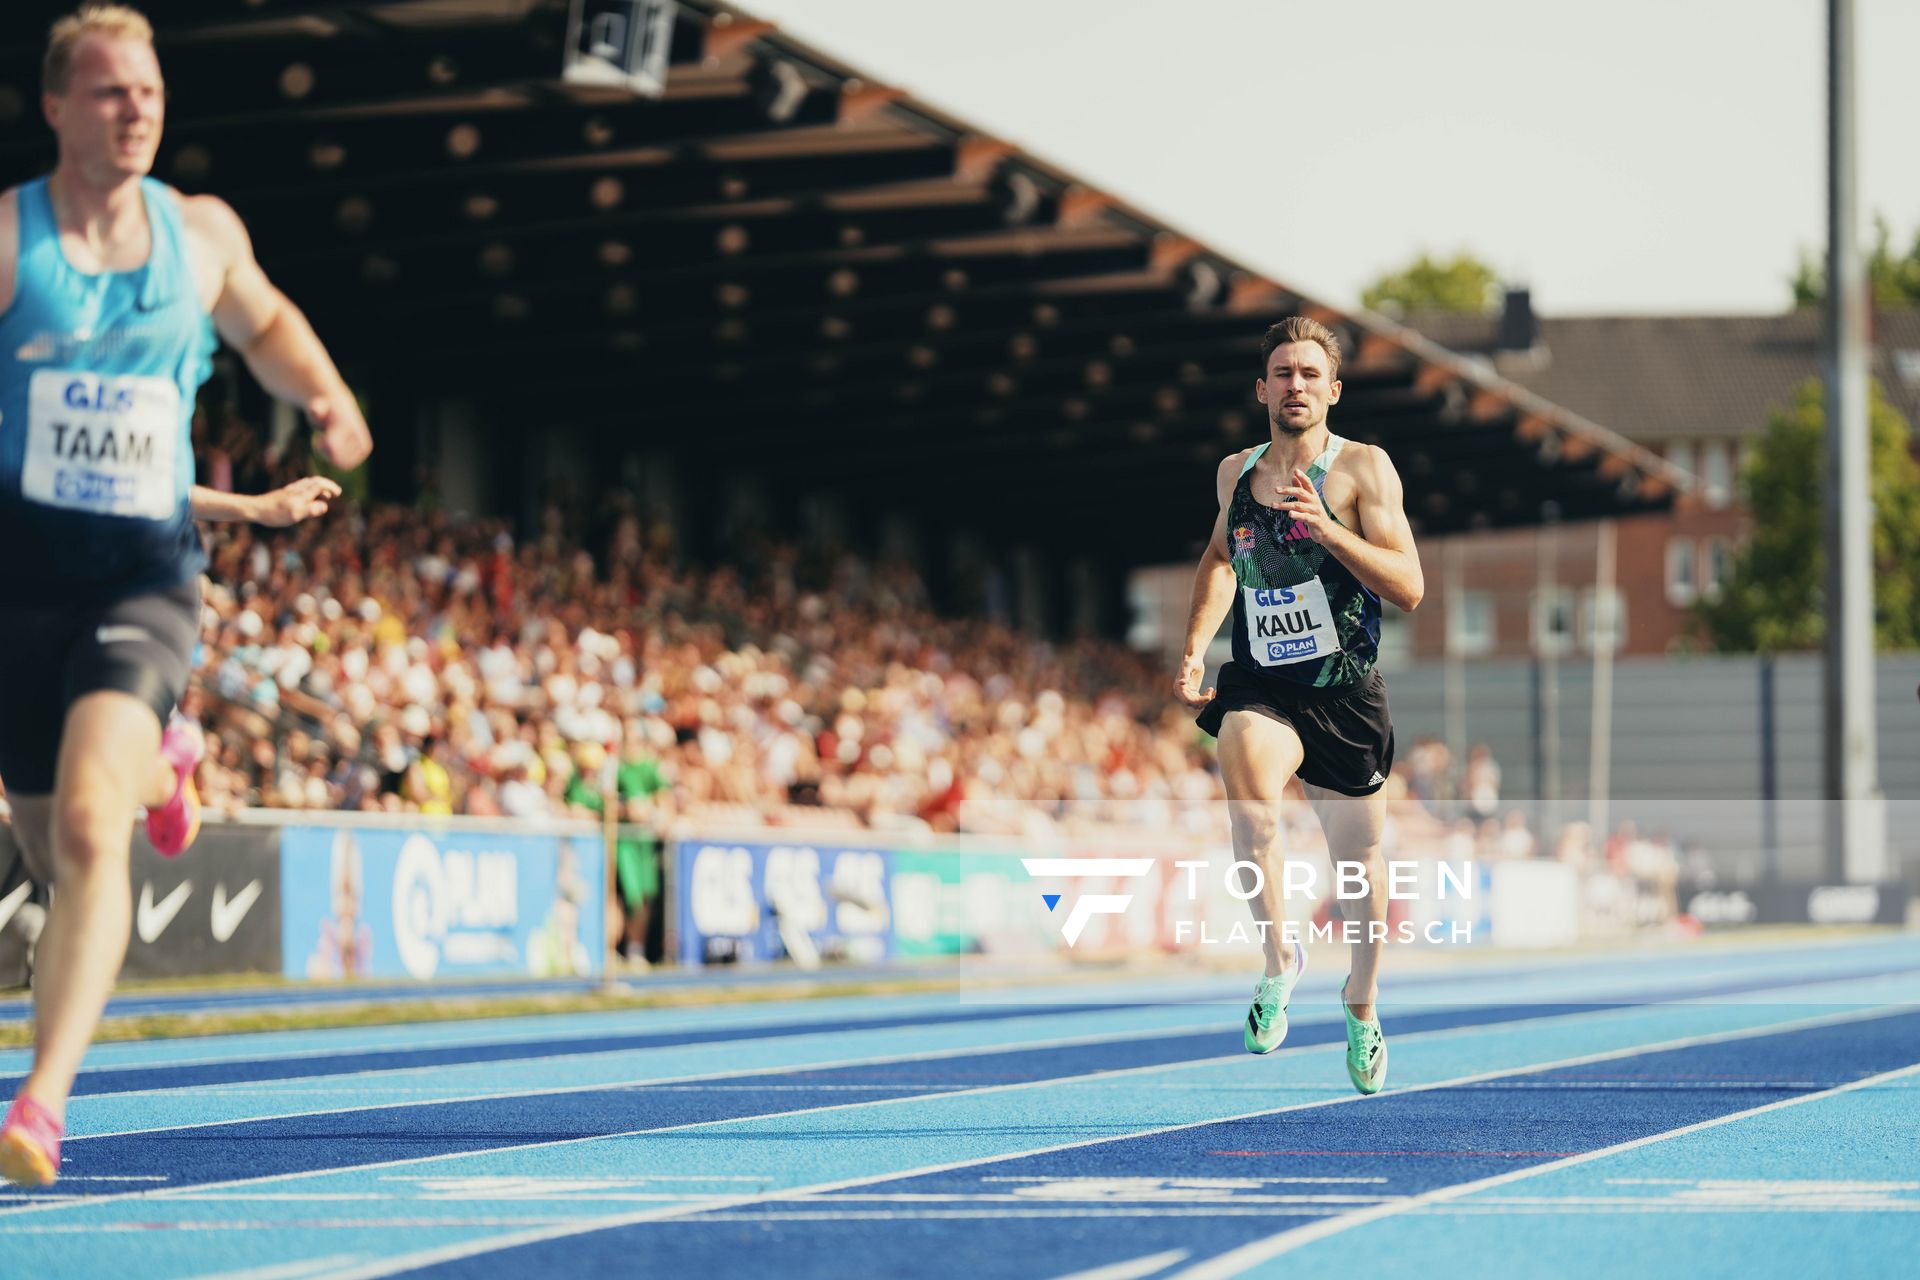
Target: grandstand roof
(782, 264)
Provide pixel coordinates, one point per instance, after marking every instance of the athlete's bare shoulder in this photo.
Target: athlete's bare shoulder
(1228, 473)
(222, 252)
(1367, 464)
(213, 220)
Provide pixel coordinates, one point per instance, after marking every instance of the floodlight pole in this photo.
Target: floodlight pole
(1856, 816)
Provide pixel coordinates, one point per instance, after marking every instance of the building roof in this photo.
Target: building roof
(1658, 378)
(782, 263)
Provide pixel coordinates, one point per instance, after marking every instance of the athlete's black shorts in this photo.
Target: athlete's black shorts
(50, 655)
(1347, 733)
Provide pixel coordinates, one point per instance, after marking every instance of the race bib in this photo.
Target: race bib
(104, 445)
(1289, 624)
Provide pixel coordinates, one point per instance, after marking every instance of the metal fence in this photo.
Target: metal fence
(1725, 750)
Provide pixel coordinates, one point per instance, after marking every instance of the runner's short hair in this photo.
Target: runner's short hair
(116, 20)
(1301, 329)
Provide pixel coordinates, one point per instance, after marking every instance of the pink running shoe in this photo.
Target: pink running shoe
(175, 824)
(30, 1145)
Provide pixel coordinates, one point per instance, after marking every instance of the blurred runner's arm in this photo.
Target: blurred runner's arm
(1212, 593)
(274, 338)
(304, 499)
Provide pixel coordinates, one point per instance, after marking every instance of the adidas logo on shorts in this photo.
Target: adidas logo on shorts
(1376, 779)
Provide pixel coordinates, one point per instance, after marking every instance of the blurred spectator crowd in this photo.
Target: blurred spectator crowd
(393, 658)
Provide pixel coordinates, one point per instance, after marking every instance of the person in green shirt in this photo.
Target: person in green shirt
(644, 799)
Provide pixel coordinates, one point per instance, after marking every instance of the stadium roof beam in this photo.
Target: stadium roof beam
(646, 178)
(637, 250)
(819, 278)
(238, 157)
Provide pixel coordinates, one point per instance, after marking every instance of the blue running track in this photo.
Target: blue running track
(1740, 1111)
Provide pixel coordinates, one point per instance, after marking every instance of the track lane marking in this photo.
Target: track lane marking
(473, 1248)
(1237, 1261)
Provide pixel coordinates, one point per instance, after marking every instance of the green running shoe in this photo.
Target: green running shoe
(1366, 1050)
(1267, 1019)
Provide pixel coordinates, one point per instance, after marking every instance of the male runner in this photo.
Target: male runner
(1311, 536)
(112, 286)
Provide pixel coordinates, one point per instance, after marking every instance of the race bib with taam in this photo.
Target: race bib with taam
(1289, 624)
(103, 445)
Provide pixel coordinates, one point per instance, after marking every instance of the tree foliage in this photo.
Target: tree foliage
(1895, 276)
(1460, 283)
(1775, 598)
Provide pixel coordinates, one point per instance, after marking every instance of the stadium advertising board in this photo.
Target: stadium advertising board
(216, 911)
(379, 902)
(1803, 903)
(960, 902)
(755, 902)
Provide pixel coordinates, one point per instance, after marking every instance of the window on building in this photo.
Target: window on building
(1601, 616)
(1682, 585)
(1470, 623)
(1716, 473)
(1553, 621)
(1717, 568)
(1680, 454)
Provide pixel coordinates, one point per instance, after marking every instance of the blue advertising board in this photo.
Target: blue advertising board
(756, 902)
(375, 902)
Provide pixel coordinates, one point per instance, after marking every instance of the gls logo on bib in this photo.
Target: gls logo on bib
(1289, 624)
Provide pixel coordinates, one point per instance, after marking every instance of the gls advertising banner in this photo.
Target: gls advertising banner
(367, 902)
(751, 902)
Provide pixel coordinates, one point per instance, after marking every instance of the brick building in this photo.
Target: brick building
(1696, 389)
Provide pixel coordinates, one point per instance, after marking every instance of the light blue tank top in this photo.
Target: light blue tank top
(98, 374)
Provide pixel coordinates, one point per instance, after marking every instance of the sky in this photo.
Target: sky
(1625, 157)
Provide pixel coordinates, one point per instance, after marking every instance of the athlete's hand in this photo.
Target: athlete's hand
(340, 433)
(302, 500)
(1302, 501)
(1186, 685)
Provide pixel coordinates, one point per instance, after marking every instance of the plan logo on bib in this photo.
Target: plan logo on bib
(1093, 904)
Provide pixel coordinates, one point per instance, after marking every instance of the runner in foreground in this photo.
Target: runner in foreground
(1311, 536)
(112, 286)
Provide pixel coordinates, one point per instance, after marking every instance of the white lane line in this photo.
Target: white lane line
(645, 1083)
(481, 1032)
(113, 1177)
(1235, 1261)
(1133, 1268)
(399, 1071)
(1109, 1180)
(288, 1270)
(472, 1248)
(316, 1224)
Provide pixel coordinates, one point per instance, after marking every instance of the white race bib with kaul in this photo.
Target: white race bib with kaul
(1289, 624)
